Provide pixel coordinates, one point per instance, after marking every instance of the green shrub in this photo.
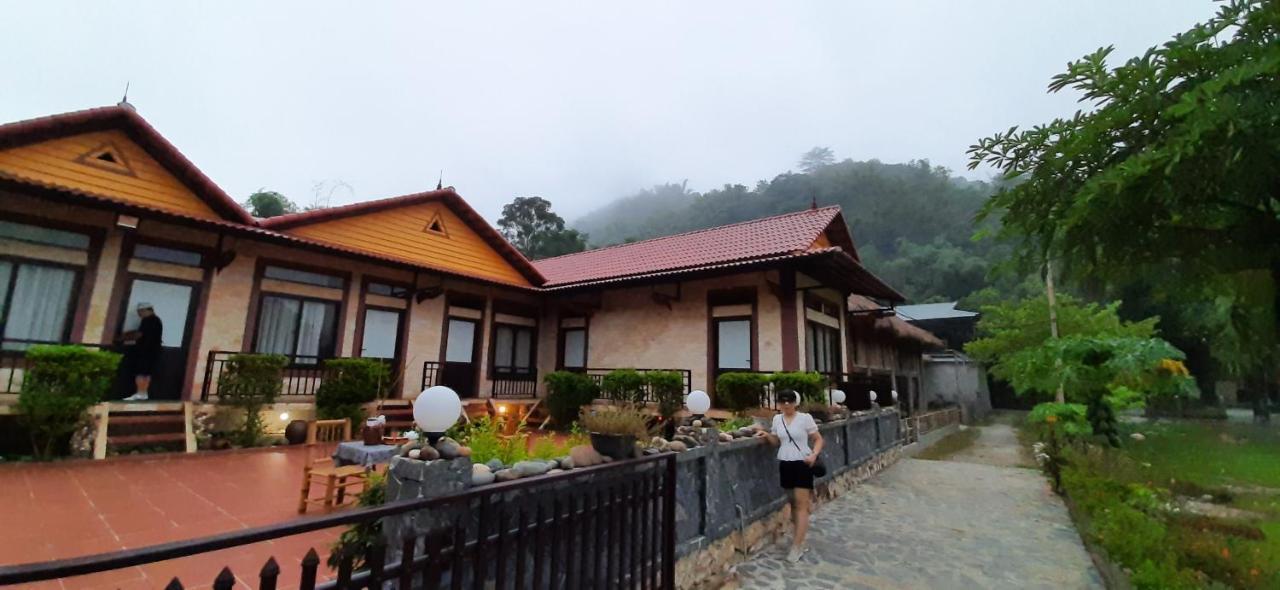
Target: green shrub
(1069, 420)
(734, 424)
(668, 390)
(624, 420)
(738, 392)
(567, 392)
(811, 386)
(349, 383)
(62, 383)
(547, 447)
(484, 436)
(250, 382)
(624, 385)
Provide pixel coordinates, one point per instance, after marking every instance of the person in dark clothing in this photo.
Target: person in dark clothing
(144, 354)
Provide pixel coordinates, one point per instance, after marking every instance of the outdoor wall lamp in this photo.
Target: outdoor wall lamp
(436, 409)
(127, 221)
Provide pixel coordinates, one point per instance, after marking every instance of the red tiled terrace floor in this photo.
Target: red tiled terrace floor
(61, 510)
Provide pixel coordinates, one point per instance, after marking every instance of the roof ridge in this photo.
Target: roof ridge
(691, 232)
(351, 207)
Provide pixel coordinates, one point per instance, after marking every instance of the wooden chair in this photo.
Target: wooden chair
(328, 431)
(336, 481)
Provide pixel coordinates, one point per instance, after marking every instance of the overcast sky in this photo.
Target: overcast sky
(579, 103)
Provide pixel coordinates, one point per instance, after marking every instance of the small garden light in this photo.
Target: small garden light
(436, 409)
(873, 395)
(837, 397)
(284, 416)
(894, 394)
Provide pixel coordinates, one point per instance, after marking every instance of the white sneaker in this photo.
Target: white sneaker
(794, 555)
(137, 397)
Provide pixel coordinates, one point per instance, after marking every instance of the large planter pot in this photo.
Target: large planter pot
(618, 446)
(296, 432)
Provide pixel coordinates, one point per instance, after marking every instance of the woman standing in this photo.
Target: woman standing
(799, 442)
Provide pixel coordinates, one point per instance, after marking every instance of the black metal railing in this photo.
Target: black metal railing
(608, 526)
(597, 375)
(14, 362)
(301, 378)
(430, 374)
(515, 384)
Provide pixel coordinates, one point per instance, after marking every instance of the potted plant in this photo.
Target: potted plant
(614, 430)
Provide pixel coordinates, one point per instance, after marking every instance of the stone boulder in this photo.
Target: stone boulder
(506, 475)
(530, 468)
(585, 456)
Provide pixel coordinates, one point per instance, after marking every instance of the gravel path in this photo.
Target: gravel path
(974, 522)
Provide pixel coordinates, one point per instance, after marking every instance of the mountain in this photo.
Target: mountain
(913, 223)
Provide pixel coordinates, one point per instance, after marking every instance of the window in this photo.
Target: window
(388, 290)
(35, 304)
(381, 334)
(43, 235)
(822, 348)
(303, 329)
(733, 344)
(573, 354)
(512, 349)
(461, 344)
(302, 276)
(170, 255)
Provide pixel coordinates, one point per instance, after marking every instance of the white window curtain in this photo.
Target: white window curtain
(313, 331)
(39, 305)
(277, 324)
(524, 350)
(503, 344)
(575, 348)
(461, 341)
(381, 331)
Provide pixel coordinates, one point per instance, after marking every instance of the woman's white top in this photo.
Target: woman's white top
(802, 425)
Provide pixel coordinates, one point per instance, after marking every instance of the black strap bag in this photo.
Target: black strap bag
(818, 469)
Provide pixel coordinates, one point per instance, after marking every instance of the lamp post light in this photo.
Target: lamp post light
(893, 393)
(436, 409)
(837, 397)
(698, 402)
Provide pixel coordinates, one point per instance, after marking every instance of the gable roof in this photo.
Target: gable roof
(446, 196)
(770, 239)
(900, 328)
(933, 311)
(124, 119)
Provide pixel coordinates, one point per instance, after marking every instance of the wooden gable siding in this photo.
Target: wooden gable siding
(402, 233)
(821, 242)
(55, 162)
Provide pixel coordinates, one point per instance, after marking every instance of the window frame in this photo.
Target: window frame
(342, 277)
(77, 285)
(495, 371)
(302, 299)
(90, 236)
(751, 338)
(562, 340)
(811, 333)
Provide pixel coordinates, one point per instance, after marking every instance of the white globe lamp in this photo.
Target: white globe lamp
(436, 409)
(894, 394)
(873, 395)
(837, 397)
(698, 402)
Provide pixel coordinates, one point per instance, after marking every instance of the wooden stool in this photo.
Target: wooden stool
(335, 479)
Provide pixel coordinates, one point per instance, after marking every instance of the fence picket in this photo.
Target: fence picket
(270, 572)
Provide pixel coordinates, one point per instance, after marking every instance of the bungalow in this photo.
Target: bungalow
(100, 212)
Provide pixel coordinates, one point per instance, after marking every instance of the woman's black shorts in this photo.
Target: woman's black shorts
(795, 474)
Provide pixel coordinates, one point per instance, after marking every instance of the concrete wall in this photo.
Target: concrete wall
(957, 382)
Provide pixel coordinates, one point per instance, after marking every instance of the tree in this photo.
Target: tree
(265, 203)
(1173, 169)
(818, 157)
(1010, 329)
(530, 225)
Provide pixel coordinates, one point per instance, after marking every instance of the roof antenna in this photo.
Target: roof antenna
(440, 183)
(124, 101)
(813, 202)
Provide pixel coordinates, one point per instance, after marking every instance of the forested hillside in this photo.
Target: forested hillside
(912, 223)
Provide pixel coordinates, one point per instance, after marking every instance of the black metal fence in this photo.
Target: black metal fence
(516, 385)
(301, 378)
(597, 375)
(609, 526)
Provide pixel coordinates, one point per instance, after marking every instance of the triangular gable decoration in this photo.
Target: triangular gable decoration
(436, 226)
(107, 157)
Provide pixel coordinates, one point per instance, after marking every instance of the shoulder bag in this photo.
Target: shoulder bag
(819, 469)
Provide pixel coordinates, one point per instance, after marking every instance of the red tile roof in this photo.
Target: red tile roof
(791, 233)
(132, 124)
(900, 328)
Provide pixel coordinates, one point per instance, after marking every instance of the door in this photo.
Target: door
(461, 346)
(173, 304)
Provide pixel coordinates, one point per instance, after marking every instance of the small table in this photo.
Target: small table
(357, 453)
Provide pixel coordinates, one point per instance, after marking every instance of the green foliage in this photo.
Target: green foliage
(1169, 170)
(812, 387)
(547, 447)
(250, 382)
(620, 420)
(1068, 419)
(567, 392)
(485, 437)
(530, 225)
(623, 385)
(734, 423)
(738, 392)
(349, 383)
(668, 389)
(62, 383)
(265, 203)
(1086, 366)
(358, 540)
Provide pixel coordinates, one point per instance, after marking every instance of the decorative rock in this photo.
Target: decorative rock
(688, 441)
(726, 437)
(464, 451)
(559, 462)
(407, 447)
(566, 463)
(495, 465)
(480, 468)
(697, 424)
(747, 431)
(585, 456)
(480, 478)
(506, 475)
(415, 453)
(607, 459)
(657, 442)
(549, 472)
(448, 449)
(652, 451)
(530, 468)
(677, 446)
